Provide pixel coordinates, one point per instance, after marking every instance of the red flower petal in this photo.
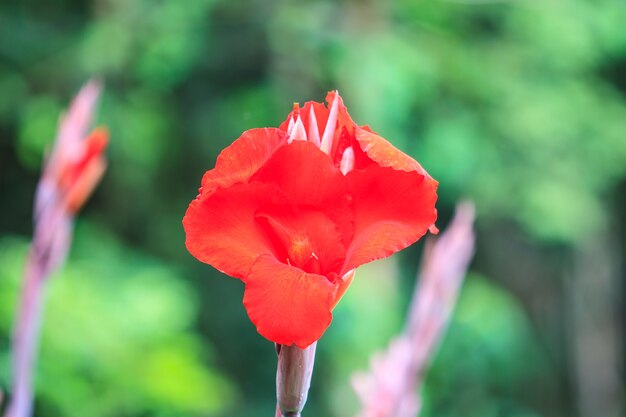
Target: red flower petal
(342, 286)
(79, 179)
(221, 229)
(288, 306)
(243, 158)
(307, 176)
(303, 173)
(393, 209)
(385, 154)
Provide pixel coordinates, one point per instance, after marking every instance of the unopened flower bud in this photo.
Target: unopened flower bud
(293, 378)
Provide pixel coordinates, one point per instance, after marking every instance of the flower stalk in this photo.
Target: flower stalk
(390, 388)
(293, 378)
(70, 174)
(25, 340)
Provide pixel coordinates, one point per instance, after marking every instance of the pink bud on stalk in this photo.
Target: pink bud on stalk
(70, 174)
(293, 378)
(389, 388)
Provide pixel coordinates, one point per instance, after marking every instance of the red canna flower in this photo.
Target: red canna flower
(293, 211)
(77, 161)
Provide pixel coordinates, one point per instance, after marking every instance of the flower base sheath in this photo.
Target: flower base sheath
(292, 211)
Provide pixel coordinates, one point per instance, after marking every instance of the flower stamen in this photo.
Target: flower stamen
(327, 139)
(290, 126)
(347, 161)
(298, 132)
(314, 133)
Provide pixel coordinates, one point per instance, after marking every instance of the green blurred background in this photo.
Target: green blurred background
(519, 105)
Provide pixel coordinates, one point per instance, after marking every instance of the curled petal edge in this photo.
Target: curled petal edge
(287, 305)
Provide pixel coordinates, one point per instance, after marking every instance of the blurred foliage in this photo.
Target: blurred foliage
(118, 336)
(473, 374)
(518, 105)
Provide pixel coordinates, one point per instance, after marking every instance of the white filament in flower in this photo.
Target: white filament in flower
(298, 132)
(290, 127)
(314, 134)
(347, 161)
(327, 139)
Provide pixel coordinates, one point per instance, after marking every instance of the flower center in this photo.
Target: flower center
(300, 254)
(303, 238)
